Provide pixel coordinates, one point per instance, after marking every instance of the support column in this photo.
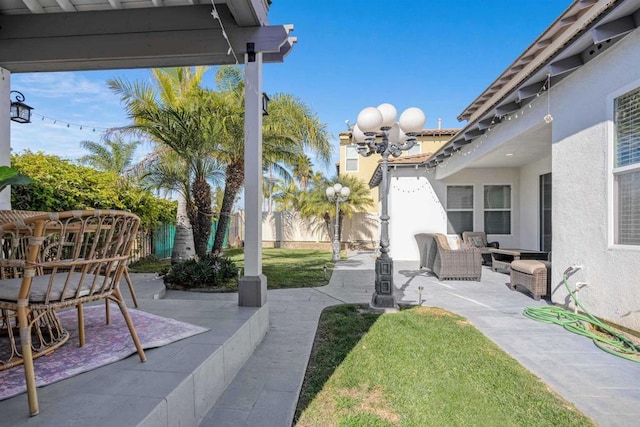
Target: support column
(5, 132)
(252, 288)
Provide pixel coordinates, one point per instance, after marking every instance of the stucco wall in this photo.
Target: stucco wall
(582, 189)
(414, 207)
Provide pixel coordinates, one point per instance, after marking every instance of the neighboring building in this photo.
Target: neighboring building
(428, 142)
(549, 159)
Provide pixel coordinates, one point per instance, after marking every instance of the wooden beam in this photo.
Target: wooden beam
(531, 90)
(566, 65)
(131, 38)
(507, 108)
(66, 6)
(34, 6)
(616, 28)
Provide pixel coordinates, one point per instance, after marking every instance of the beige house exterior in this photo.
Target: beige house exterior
(351, 163)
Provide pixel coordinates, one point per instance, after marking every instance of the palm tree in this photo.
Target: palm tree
(190, 131)
(172, 87)
(115, 155)
(288, 130)
(315, 205)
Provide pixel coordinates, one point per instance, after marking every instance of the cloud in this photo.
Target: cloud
(72, 87)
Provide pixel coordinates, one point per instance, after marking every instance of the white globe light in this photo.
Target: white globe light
(345, 191)
(389, 114)
(412, 120)
(337, 187)
(396, 134)
(358, 135)
(369, 119)
(330, 192)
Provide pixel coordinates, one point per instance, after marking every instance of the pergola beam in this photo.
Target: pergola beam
(34, 6)
(66, 6)
(164, 36)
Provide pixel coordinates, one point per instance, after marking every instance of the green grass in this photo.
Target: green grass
(284, 268)
(290, 268)
(150, 264)
(419, 367)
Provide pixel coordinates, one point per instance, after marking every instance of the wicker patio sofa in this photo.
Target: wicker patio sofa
(447, 263)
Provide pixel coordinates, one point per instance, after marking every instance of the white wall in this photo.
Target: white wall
(529, 233)
(582, 109)
(414, 207)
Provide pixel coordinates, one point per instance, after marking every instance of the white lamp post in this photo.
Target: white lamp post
(339, 194)
(395, 138)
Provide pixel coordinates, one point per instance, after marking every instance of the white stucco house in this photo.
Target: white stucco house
(549, 159)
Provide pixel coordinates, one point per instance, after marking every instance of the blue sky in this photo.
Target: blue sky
(436, 55)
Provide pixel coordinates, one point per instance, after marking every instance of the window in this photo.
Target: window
(627, 168)
(459, 208)
(497, 209)
(414, 150)
(351, 156)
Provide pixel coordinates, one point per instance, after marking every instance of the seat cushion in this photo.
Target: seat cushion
(10, 288)
(528, 266)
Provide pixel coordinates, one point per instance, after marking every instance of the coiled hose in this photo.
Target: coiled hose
(603, 336)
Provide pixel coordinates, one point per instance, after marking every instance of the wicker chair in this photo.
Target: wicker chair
(6, 273)
(446, 263)
(478, 239)
(60, 260)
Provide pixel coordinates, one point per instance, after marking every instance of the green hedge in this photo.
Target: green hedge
(59, 185)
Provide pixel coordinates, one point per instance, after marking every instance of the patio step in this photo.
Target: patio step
(179, 383)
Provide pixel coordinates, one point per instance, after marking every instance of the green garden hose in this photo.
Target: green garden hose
(603, 336)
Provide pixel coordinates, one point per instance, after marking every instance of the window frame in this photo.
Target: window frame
(472, 209)
(347, 158)
(617, 171)
(510, 209)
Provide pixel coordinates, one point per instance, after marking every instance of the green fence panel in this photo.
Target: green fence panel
(163, 240)
(212, 237)
(164, 235)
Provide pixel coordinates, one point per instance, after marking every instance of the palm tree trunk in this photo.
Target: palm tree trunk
(233, 182)
(183, 247)
(202, 226)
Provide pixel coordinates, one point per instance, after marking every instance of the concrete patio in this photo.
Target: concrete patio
(204, 380)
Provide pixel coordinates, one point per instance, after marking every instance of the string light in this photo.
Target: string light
(216, 16)
(70, 125)
(548, 118)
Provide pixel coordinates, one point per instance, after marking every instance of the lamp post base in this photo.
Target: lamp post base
(383, 298)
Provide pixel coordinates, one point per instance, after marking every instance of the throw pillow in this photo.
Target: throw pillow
(477, 242)
(454, 241)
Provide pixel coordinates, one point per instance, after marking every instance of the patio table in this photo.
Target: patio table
(501, 258)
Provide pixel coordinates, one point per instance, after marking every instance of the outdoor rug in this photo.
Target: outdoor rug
(104, 344)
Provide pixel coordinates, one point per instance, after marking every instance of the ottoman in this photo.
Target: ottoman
(533, 275)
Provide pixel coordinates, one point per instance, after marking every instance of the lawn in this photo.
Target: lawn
(419, 367)
(290, 268)
(284, 268)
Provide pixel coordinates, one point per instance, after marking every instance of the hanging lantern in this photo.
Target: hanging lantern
(20, 112)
